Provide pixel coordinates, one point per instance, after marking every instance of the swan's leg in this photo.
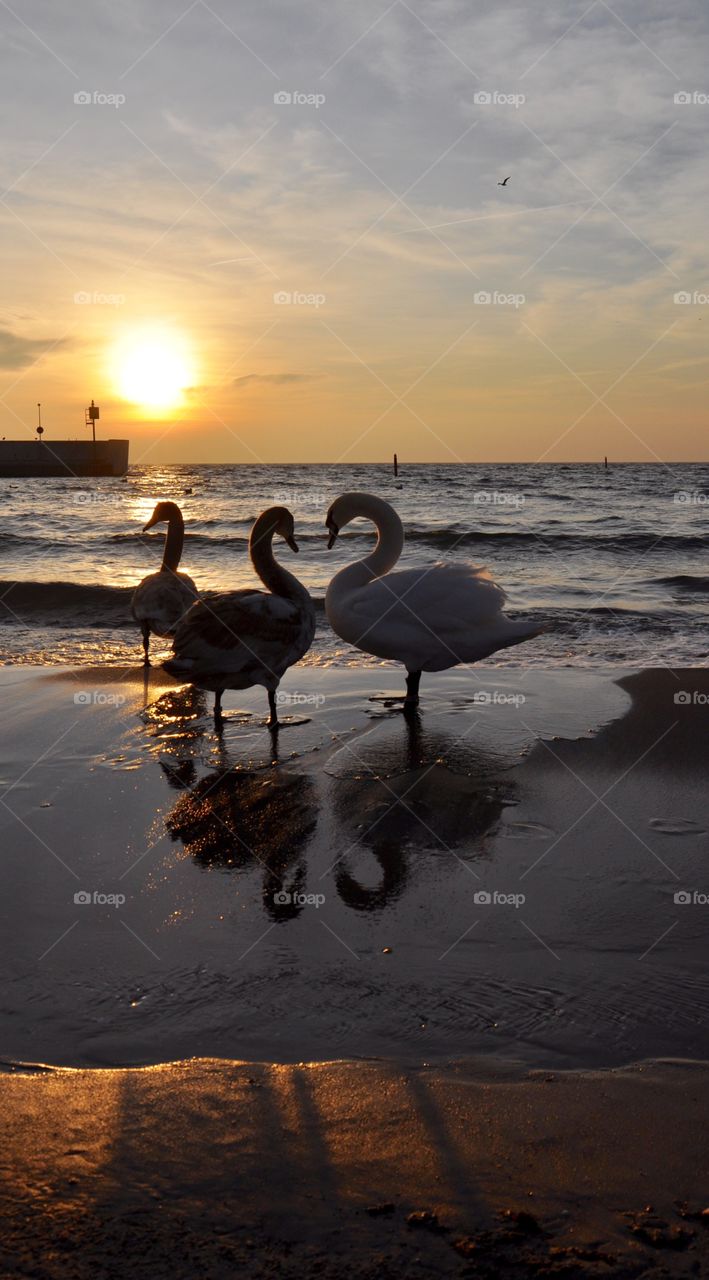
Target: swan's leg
(413, 679)
(146, 644)
(273, 710)
(218, 717)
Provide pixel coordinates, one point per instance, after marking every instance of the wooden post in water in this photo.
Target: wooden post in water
(396, 465)
(605, 463)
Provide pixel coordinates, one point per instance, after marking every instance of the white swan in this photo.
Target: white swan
(164, 597)
(248, 637)
(429, 618)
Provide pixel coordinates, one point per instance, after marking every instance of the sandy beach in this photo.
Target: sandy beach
(463, 929)
(355, 1169)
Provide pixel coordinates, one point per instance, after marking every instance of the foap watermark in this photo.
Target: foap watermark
(691, 698)
(98, 698)
(691, 98)
(691, 498)
(85, 898)
(296, 98)
(693, 298)
(300, 497)
(496, 98)
(483, 298)
(87, 298)
(295, 299)
(284, 699)
(494, 898)
(283, 898)
(691, 898)
(95, 98)
(496, 697)
(498, 498)
(87, 498)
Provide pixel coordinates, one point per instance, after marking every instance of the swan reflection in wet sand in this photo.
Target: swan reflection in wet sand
(403, 798)
(177, 723)
(234, 819)
(396, 797)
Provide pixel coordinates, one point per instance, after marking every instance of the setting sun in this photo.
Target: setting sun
(152, 369)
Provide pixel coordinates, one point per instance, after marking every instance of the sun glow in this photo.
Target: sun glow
(152, 369)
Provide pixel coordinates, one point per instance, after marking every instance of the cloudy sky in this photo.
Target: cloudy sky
(294, 207)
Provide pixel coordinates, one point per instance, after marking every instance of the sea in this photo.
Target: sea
(614, 561)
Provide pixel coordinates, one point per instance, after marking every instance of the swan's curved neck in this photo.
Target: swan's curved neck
(390, 539)
(174, 541)
(272, 574)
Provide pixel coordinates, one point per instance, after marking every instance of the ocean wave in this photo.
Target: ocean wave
(59, 603)
(75, 604)
(193, 539)
(15, 540)
(78, 605)
(685, 582)
(500, 527)
(598, 543)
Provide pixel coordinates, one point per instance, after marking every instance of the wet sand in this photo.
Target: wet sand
(437, 1027)
(494, 878)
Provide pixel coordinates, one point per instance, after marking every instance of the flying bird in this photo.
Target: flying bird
(505, 181)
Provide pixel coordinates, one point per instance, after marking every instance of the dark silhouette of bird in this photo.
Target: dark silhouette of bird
(505, 181)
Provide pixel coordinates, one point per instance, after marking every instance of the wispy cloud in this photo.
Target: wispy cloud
(275, 379)
(17, 352)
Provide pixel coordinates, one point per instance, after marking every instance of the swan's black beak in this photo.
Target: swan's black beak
(292, 543)
(330, 524)
(150, 524)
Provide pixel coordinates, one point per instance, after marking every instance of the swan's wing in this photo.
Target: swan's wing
(429, 617)
(463, 593)
(250, 619)
(187, 582)
(162, 599)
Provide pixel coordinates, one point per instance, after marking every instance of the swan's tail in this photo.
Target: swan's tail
(179, 666)
(502, 637)
(519, 631)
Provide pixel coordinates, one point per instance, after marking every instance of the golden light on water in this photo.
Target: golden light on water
(152, 369)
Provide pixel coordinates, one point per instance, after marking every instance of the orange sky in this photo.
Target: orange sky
(342, 278)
